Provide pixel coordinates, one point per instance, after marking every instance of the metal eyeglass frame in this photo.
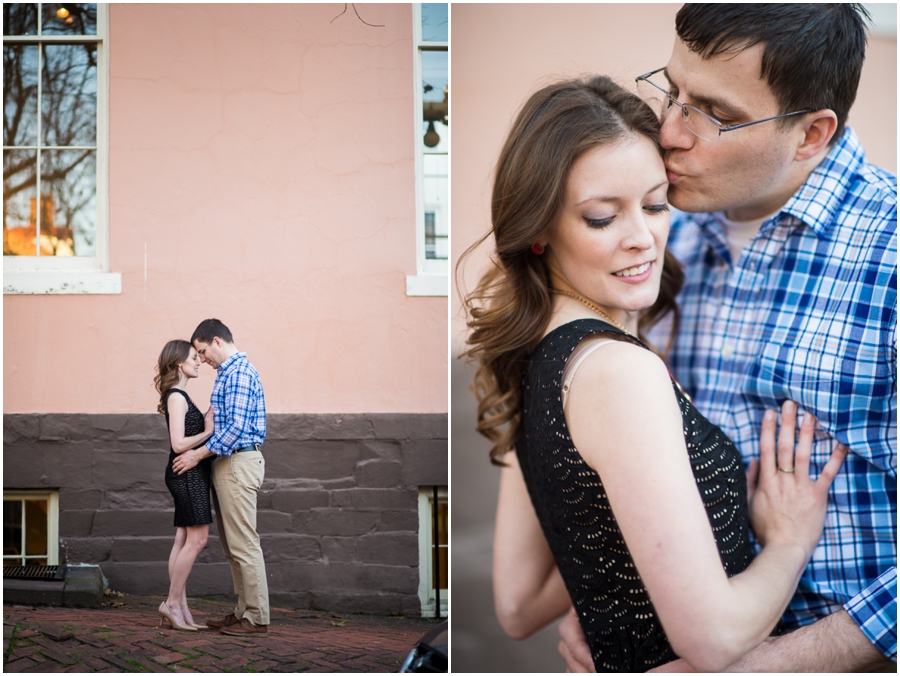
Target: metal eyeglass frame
(686, 109)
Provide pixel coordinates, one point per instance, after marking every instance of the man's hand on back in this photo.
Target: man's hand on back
(573, 647)
(188, 460)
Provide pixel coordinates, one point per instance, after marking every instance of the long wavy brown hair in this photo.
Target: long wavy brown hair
(167, 376)
(510, 309)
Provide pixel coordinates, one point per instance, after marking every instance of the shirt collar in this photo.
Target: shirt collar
(821, 196)
(228, 363)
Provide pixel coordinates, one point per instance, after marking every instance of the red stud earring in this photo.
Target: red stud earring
(537, 248)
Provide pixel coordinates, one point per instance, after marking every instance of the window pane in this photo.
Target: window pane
(436, 190)
(435, 101)
(19, 203)
(69, 19)
(442, 522)
(12, 528)
(36, 528)
(20, 18)
(68, 200)
(434, 22)
(434, 75)
(69, 95)
(443, 558)
(441, 568)
(435, 137)
(20, 66)
(430, 251)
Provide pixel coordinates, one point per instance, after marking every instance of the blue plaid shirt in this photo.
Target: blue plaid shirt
(809, 313)
(239, 405)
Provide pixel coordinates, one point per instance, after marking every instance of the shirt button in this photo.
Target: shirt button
(727, 351)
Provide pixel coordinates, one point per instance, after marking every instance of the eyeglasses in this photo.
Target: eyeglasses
(697, 122)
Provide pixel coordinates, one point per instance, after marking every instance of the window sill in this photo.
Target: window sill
(428, 611)
(100, 283)
(426, 285)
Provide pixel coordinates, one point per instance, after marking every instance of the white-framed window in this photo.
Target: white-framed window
(30, 528)
(432, 78)
(55, 149)
(434, 550)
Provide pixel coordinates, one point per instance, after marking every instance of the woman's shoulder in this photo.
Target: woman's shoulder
(175, 391)
(614, 379)
(624, 363)
(618, 391)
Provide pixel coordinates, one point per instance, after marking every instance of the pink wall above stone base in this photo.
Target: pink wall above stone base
(261, 171)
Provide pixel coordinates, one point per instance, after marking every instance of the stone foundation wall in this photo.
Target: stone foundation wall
(338, 512)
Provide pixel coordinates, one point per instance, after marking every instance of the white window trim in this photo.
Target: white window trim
(432, 277)
(75, 275)
(426, 564)
(52, 498)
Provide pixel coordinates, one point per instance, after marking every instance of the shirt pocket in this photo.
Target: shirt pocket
(809, 377)
(853, 394)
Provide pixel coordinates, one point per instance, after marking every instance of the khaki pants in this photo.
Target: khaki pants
(237, 478)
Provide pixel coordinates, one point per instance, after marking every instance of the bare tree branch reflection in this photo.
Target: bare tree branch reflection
(66, 150)
(19, 95)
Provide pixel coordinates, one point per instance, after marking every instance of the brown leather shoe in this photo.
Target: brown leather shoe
(227, 621)
(245, 628)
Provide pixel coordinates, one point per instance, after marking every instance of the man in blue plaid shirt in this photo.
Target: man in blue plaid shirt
(238, 472)
(790, 293)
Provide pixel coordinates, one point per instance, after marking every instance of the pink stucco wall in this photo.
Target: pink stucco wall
(262, 164)
(501, 53)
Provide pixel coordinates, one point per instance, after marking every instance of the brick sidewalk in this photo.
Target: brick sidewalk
(126, 639)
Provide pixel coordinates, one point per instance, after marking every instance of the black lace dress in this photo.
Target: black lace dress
(618, 619)
(191, 489)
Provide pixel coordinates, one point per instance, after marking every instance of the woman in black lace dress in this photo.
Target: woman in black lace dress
(620, 498)
(188, 429)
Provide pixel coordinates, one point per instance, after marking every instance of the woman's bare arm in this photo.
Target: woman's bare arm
(178, 408)
(528, 590)
(626, 423)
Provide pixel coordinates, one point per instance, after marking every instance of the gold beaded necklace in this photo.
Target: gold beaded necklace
(592, 306)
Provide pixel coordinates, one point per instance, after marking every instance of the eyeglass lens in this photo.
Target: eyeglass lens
(654, 97)
(654, 92)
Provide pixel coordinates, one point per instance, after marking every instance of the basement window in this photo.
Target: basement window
(434, 550)
(30, 528)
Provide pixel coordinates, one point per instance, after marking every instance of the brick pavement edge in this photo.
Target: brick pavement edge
(123, 636)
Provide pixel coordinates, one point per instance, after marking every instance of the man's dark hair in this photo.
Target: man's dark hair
(209, 329)
(813, 52)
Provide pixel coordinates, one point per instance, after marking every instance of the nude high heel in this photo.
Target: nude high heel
(194, 624)
(175, 624)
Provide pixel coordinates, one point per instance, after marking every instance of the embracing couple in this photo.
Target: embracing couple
(224, 444)
(686, 523)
